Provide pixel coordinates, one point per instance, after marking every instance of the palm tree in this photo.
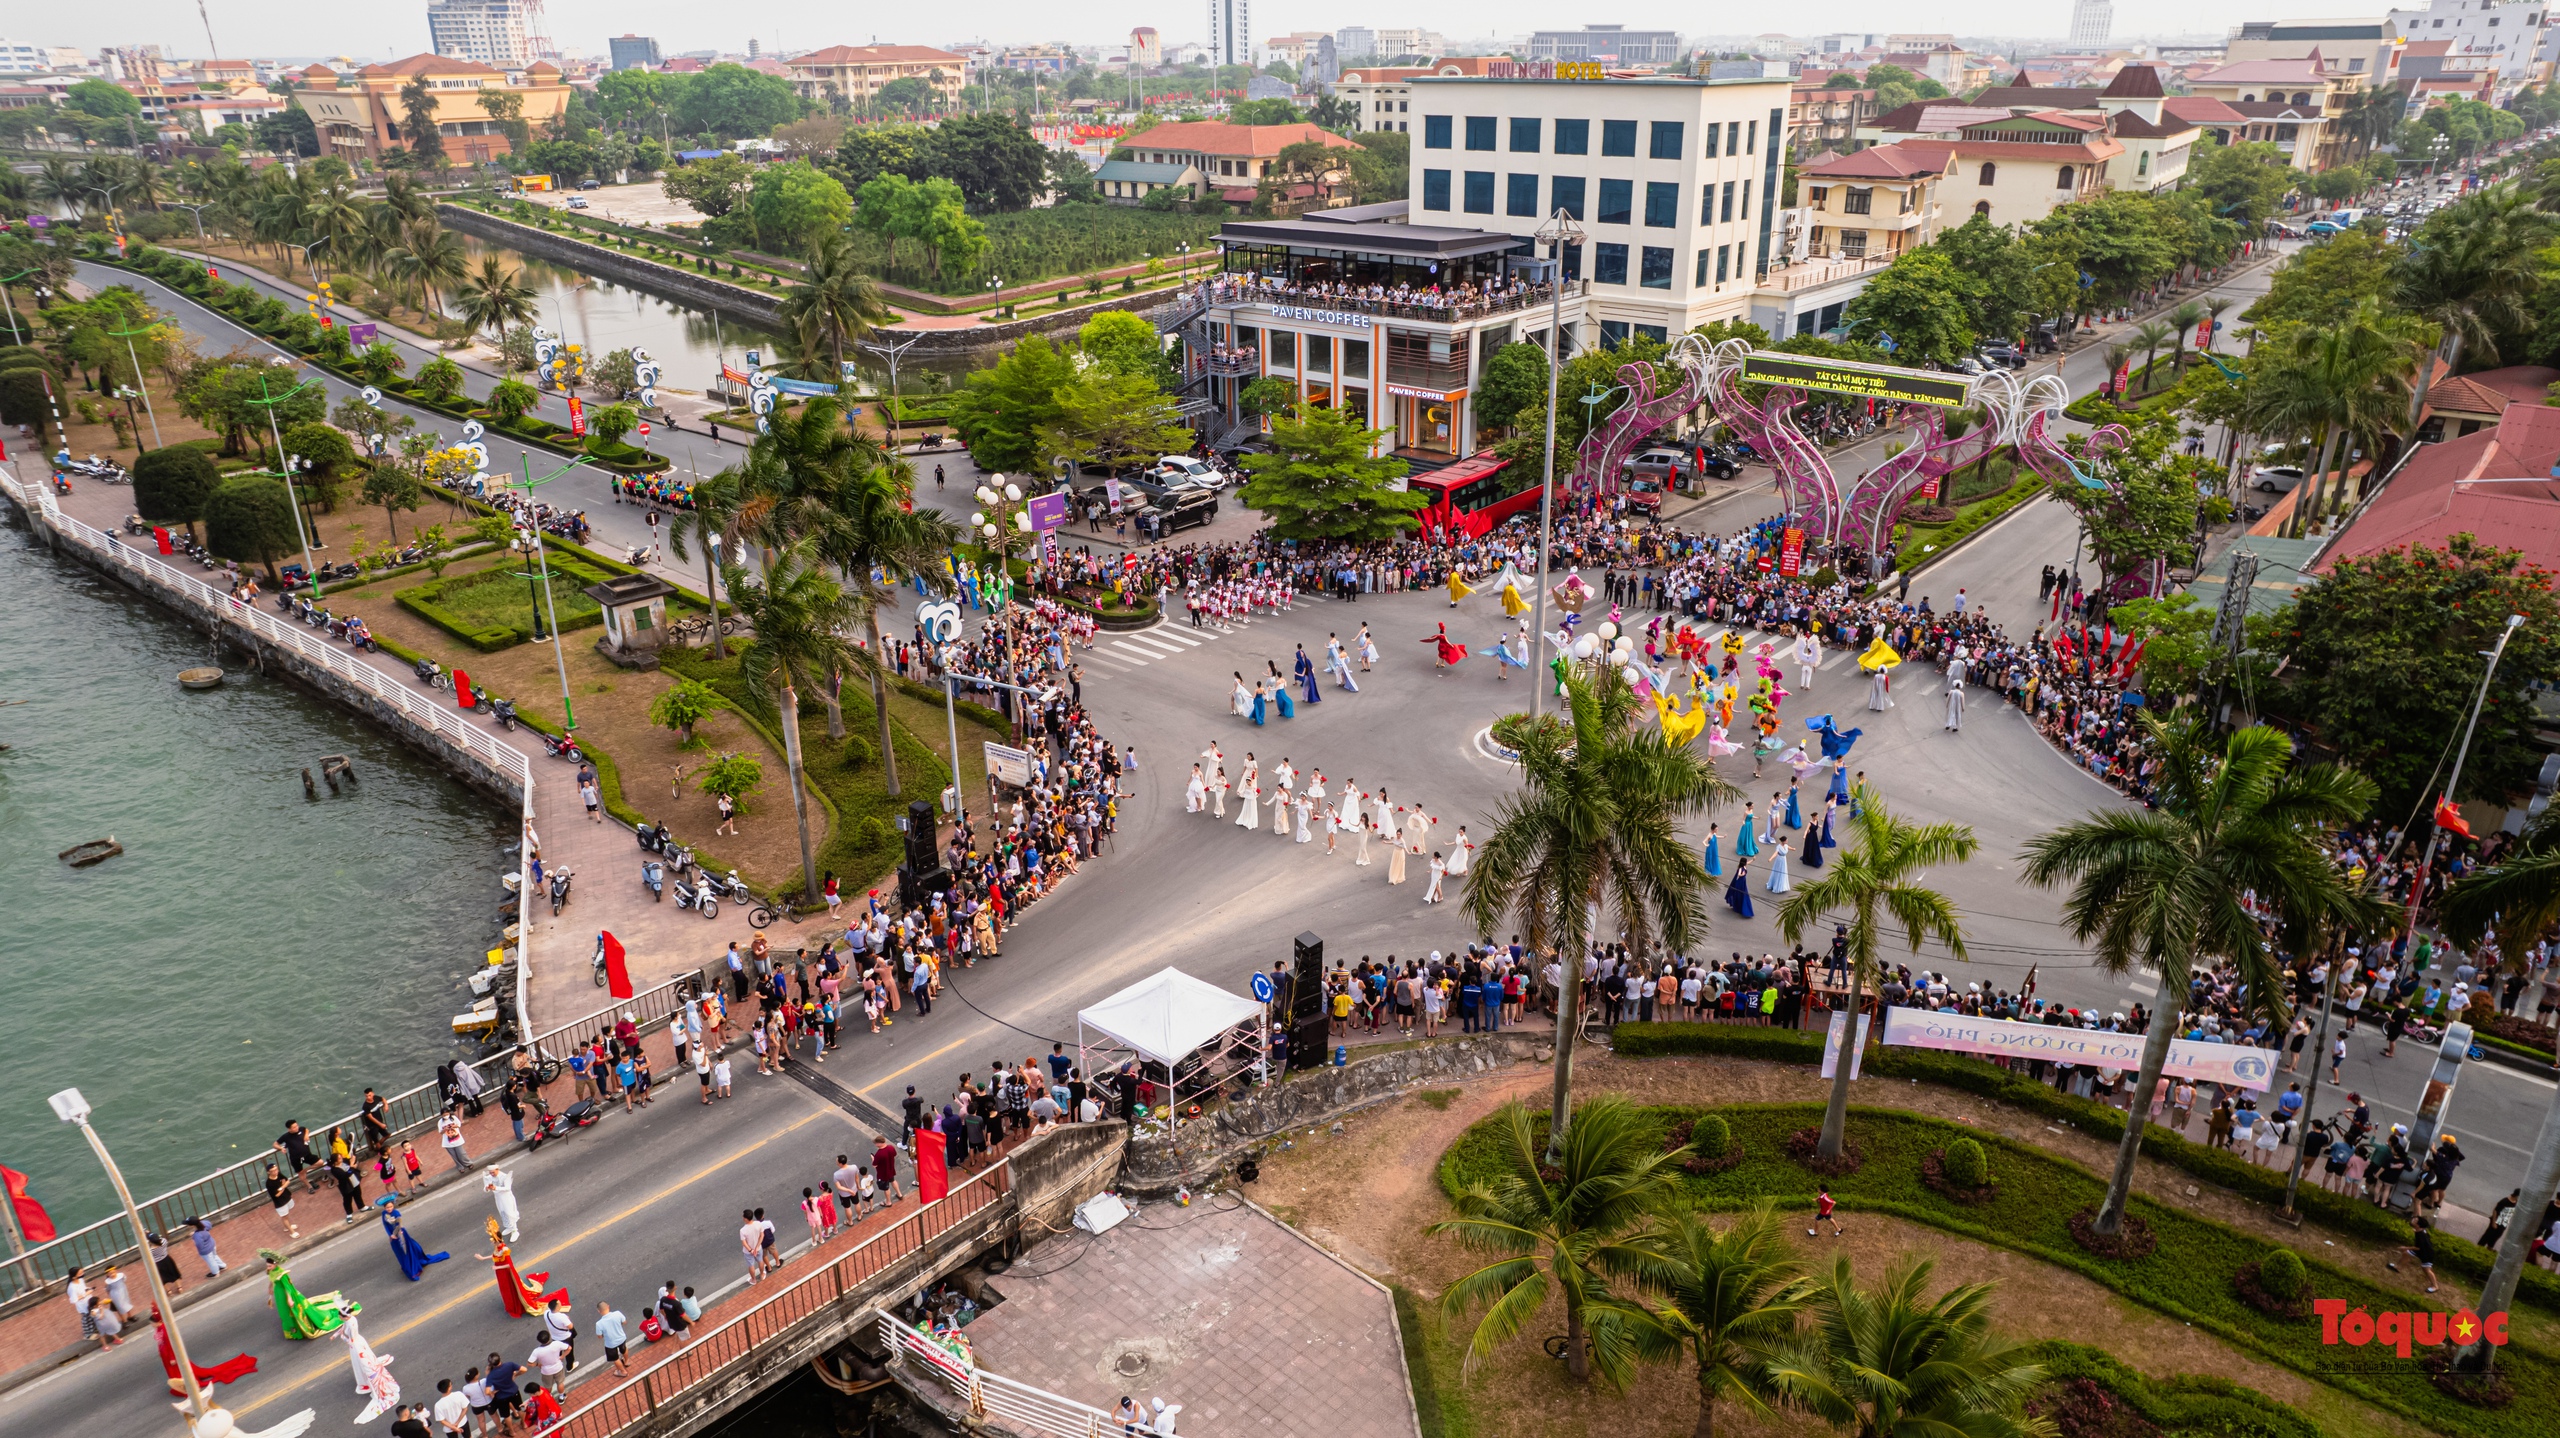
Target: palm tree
(2148, 338)
(1725, 1300)
(2182, 323)
(512, 399)
(2214, 305)
(1887, 1361)
(1596, 820)
(58, 180)
(1570, 1221)
(495, 299)
(2161, 889)
(879, 539)
(430, 257)
(714, 516)
(798, 613)
(1877, 877)
(2471, 275)
(2337, 383)
(841, 300)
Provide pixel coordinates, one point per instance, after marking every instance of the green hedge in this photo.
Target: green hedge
(2182, 1404)
(421, 600)
(1969, 520)
(2339, 1212)
(2187, 1277)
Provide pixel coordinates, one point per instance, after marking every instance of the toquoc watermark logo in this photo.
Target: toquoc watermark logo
(2402, 1331)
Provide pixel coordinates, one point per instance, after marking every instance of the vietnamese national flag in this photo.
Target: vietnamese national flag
(2450, 817)
(34, 1224)
(617, 974)
(933, 1177)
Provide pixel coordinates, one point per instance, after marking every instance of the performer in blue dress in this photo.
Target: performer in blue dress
(1795, 814)
(1261, 702)
(1714, 860)
(1812, 856)
(405, 1247)
(1745, 844)
(1306, 671)
(1737, 895)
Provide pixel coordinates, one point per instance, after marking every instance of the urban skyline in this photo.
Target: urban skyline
(585, 28)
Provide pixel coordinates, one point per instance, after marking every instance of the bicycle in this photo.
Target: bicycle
(760, 914)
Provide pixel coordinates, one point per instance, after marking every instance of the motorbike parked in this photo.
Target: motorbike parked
(699, 900)
(653, 876)
(560, 878)
(563, 747)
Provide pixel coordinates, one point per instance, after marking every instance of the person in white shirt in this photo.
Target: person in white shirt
(452, 1411)
(551, 1359)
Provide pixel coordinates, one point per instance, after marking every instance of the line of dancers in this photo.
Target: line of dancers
(1298, 810)
(1278, 695)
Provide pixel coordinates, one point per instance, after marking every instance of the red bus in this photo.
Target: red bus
(1475, 495)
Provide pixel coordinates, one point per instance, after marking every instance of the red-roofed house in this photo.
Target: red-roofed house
(2496, 483)
(1384, 93)
(1872, 204)
(2458, 405)
(2292, 103)
(1232, 158)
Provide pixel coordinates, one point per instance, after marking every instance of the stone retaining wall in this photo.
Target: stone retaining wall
(1200, 1150)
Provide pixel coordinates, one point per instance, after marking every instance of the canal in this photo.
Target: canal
(253, 956)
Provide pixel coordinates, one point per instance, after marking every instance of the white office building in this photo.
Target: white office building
(2092, 21)
(492, 32)
(1231, 32)
(1354, 42)
(2504, 36)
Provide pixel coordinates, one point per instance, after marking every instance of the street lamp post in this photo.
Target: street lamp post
(70, 1107)
(127, 337)
(308, 266)
(890, 352)
(542, 574)
(1559, 232)
(2435, 832)
(195, 210)
(284, 466)
(11, 306)
(711, 590)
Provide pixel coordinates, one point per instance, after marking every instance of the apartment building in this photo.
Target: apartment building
(1673, 180)
(634, 52)
(1823, 119)
(1384, 94)
(359, 116)
(1607, 45)
(492, 32)
(2292, 104)
(2505, 35)
(856, 72)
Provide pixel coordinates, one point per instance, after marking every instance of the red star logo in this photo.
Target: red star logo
(2462, 1328)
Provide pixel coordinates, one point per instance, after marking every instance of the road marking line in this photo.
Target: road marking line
(1177, 636)
(490, 1284)
(1114, 660)
(1116, 644)
(1152, 648)
(928, 1058)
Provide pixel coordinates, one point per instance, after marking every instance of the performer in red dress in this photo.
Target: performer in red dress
(231, 1372)
(1450, 652)
(521, 1292)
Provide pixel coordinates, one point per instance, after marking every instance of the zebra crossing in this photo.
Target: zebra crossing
(1132, 650)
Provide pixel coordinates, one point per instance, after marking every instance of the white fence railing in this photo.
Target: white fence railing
(233, 1190)
(992, 1395)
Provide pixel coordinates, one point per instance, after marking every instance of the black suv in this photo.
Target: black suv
(1183, 512)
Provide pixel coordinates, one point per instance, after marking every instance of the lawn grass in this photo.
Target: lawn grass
(495, 599)
(2188, 1277)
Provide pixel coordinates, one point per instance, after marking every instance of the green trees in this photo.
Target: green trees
(1514, 379)
(798, 613)
(1724, 1301)
(794, 203)
(1595, 823)
(733, 102)
(2340, 382)
(249, 518)
(2147, 514)
(1887, 1361)
(394, 488)
(1127, 345)
(713, 187)
(171, 486)
(2470, 274)
(440, 379)
(418, 124)
(2387, 647)
(1918, 302)
(933, 214)
(1876, 879)
(609, 424)
(1563, 1223)
(681, 708)
(2322, 284)
(999, 410)
(1323, 479)
(996, 163)
(1106, 417)
(2162, 889)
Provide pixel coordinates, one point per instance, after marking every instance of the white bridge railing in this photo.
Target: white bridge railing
(992, 1395)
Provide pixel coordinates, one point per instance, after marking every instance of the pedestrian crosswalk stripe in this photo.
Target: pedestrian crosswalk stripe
(1114, 660)
(1161, 634)
(1144, 654)
(1151, 649)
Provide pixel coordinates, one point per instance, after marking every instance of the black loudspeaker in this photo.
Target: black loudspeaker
(922, 874)
(1307, 1019)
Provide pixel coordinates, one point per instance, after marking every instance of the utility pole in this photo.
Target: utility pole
(2435, 831)
(1560, 231)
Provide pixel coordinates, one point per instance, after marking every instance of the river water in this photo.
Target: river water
(253, 956)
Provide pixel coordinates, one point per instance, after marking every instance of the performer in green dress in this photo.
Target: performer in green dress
(300, 1316)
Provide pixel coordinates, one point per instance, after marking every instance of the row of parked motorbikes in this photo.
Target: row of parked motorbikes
(105, 471)
(347, 627)
(694, 886)
(568, 524)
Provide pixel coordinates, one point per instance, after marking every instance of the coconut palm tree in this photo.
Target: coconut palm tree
(430, 257)
(58, 180)
(2161, 889)
(1567, 1222)
(2148, 337)
(1725, 1301)
(2339, 384)
(799, 615)
(836, 295)
(1595, 822)
(2471, 275)
(2182, 323)
(714, 515)
(1877, 878)
(879, 539)
(495, 299)
(1887, 1361)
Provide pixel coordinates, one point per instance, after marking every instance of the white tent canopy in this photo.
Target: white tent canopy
(1168, 1016)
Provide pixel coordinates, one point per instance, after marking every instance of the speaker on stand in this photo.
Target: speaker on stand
(1308, 1023)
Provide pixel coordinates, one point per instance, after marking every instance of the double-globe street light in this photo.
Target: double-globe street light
(1560, 231)
(70, 1107)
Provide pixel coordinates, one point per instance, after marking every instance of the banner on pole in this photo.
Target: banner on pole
(1831, 1045)
(577, 418)
(2234, 1064)
(1008, 765)
(1790, 553)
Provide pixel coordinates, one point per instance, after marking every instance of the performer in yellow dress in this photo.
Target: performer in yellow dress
(1457, 587)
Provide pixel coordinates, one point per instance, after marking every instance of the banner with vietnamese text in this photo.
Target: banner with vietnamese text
(2234, 1064)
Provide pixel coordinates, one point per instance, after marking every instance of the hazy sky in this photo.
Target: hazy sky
(300, 27)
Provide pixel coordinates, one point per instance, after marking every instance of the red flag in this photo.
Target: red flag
(2062, 644)
(617, 974)
(2132, 656)
(34, 1224)
(933, 1179)
(2107, 642)
(2449, 817)
(461, 689)
(160, 537)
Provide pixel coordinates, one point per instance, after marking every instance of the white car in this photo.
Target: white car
(1181, 471)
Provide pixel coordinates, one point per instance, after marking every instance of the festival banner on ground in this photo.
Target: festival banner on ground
(2234, 1064)
(1790, 553)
